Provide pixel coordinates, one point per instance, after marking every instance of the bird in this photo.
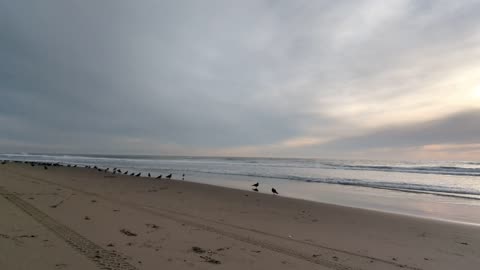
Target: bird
(149, 175)
(183, 176)
(274, 191)
(45, 168)
(132, 174)
(138, 174)
(169, 176)
(119, 171)
(159, 177)
(126, 172)
(255, 189)
(255, 185)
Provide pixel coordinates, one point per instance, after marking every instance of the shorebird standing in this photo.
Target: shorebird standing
(255, 185)
(149, 175)
(274, 191)
(159, 177)
(183, 176)
(138, 174)
(126, 172)
(169, 176)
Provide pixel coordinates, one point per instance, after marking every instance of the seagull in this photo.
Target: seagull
(255, 185)
(126, 172)
(169, 176)
(119, 171)
(255, 189)
(274, 191)
(159, 177)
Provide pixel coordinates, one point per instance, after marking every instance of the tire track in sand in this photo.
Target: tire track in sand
(103, 258)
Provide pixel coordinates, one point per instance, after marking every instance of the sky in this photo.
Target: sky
(377, 79)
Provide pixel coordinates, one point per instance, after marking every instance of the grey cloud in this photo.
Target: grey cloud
(205, 74)
(460, 128)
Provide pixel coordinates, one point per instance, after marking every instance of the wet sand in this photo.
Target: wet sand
(77, 218)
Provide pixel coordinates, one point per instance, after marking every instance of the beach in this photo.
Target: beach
(78, 218)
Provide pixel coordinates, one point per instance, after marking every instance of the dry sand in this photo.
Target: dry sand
(76, 218)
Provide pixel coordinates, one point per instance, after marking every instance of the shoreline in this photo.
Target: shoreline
(260, 230)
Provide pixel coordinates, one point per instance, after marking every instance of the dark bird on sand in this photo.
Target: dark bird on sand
(255, 185)
(138, 174)
(183, 176)
(169, 176)
(132, 174)
(119, 171)
(255, 189)
(126, 172)
(274, 191)
(149, 175)
(159, 177)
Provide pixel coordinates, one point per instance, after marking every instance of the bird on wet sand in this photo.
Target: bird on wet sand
(255, 185)
(169, 176)
(274, 191)
(126, 172)
(183, 176)
(149, 175)
(132, 174)
(159, 177)
(138, 174)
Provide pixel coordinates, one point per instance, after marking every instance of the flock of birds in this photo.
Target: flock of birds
(113, 171)
(46, 165)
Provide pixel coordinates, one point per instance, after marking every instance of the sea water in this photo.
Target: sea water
(435, 189)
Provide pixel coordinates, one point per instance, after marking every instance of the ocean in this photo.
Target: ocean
(448, 190)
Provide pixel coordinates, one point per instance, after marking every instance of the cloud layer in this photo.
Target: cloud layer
(282, 78)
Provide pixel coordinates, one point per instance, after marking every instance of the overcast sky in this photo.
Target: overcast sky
(342, 79)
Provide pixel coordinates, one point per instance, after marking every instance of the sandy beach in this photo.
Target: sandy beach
(77, 218)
